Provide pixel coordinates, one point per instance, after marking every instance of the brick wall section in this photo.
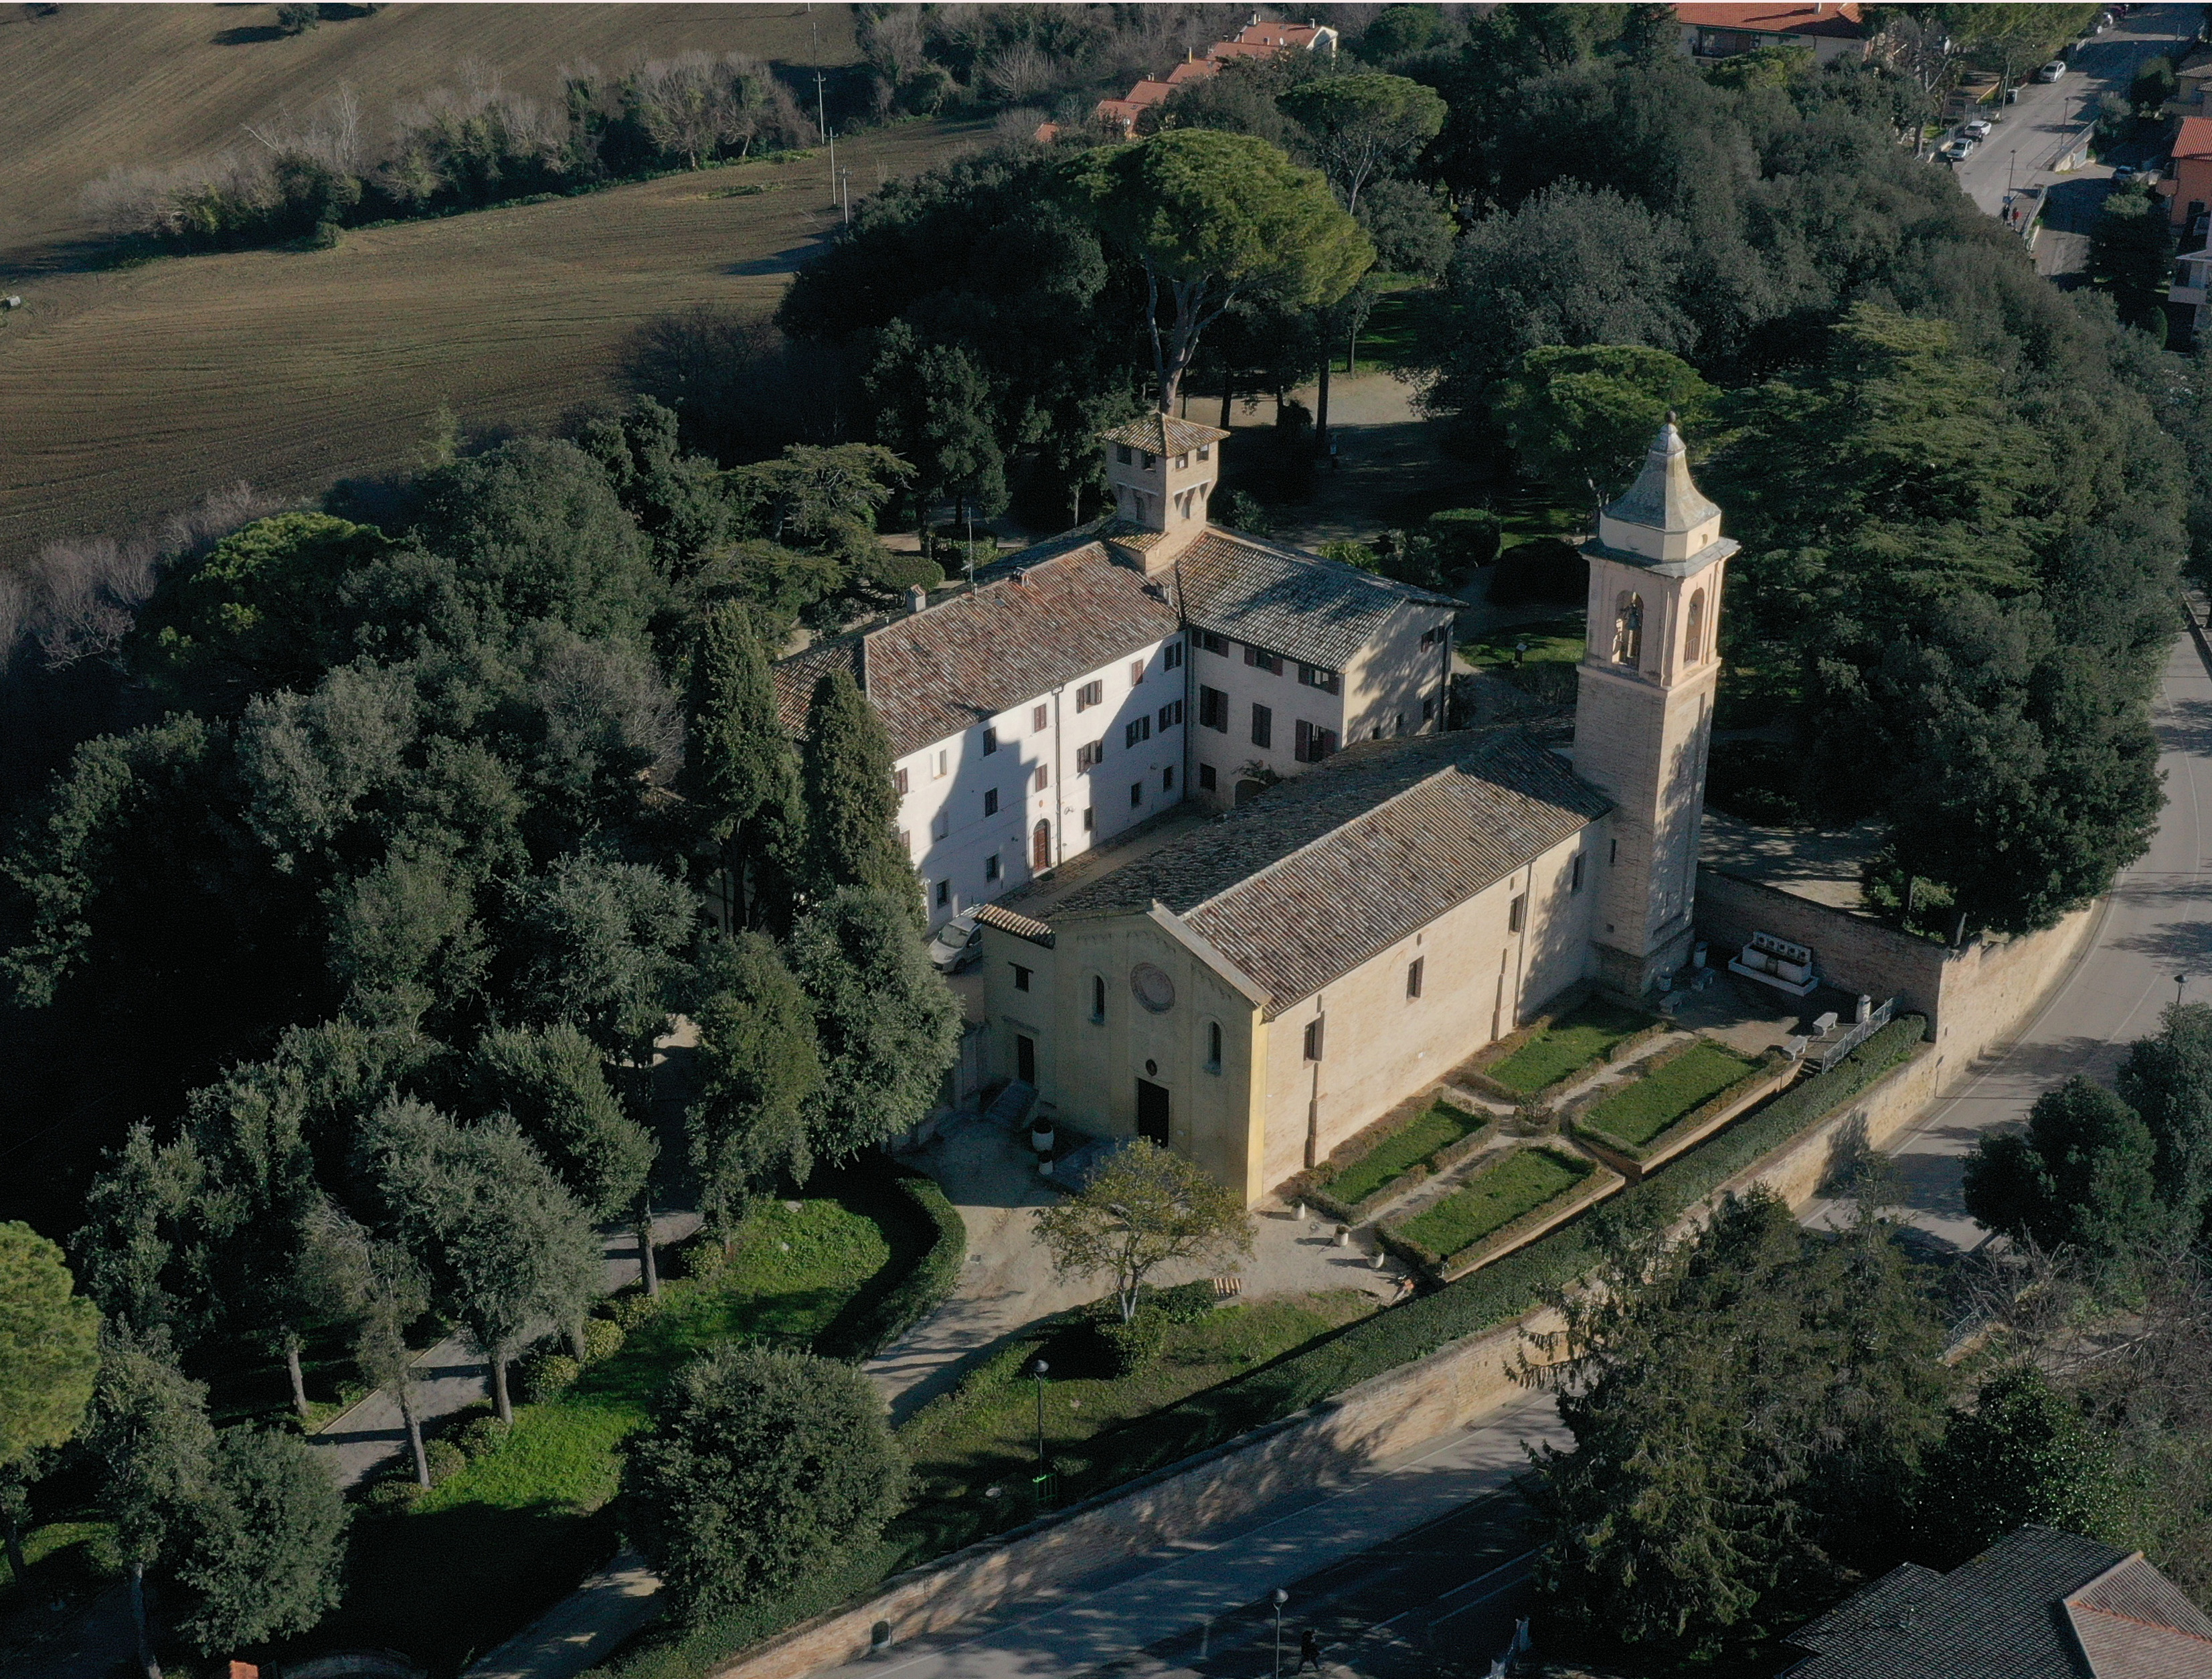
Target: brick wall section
(1974, 997)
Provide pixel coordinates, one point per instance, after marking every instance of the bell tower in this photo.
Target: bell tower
(1644, 707)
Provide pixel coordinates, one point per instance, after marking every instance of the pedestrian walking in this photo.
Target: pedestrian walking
(1309, 1650)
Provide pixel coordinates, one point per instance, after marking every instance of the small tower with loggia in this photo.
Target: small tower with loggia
(1161, 472)
(1643, 707)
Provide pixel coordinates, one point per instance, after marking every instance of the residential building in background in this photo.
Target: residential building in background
(1833, 31)
(2038, 1604)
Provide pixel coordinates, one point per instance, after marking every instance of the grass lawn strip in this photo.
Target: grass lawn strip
(1522, 1182)
(1557, 640)
(1573, 1041)
(499, 1541)
(1644, 1107)
(1438, 1128)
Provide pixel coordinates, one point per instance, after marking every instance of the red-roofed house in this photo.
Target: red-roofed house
(1256, 39)
(2191, 176)
(1832, 31)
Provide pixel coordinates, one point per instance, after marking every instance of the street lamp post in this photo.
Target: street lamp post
(1278, 1597)
(1037, 1370)
(2180, 985)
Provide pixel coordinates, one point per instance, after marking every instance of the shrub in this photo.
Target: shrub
(1523, 1181)
(1465, 538)
(1512, 1284)
(545, 1374)
(1186, 1303)
(446, 1460)
(1640, 1109)
(482, 1436)
(602, 1340)
(627, 1311)
(761, 1465)
(394, 1495)
(1130, 1347)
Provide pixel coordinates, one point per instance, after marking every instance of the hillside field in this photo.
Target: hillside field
(134, 392)
(92, 88)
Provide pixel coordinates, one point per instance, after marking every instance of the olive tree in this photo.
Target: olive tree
(1146, 1209)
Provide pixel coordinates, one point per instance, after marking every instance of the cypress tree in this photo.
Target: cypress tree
(852, 804)
(739, 768)
(760, 1070)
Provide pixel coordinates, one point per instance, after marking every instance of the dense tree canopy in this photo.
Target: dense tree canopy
(759, 1464)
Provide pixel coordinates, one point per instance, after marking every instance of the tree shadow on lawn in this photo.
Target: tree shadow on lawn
(445, 1586)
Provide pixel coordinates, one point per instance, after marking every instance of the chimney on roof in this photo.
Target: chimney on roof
(1021, 575)
(917, 598)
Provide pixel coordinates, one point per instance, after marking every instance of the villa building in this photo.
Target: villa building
(1258, 988)
(1089, 682)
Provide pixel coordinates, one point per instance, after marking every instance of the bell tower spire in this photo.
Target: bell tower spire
(1644, 706)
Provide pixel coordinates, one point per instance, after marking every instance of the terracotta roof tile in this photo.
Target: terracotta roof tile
(1022, 926)
(1778, 19)
(2195, 139)
(1302, 885)
(964, 661)
(1164, 434)
(1322, 611)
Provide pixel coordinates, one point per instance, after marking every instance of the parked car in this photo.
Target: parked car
(1977, 130)
(2123, 174)
(2051, 71)
(1955, 151)
(958, 944)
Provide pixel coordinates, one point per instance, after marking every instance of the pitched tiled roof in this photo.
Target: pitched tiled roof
(1321, 611)
(1163, 433)
(1776, 19)
(2135, 1623)
(2195, 139)
(1067, 610)
(2038, 1604)
(1308, 881)
(1021, 925)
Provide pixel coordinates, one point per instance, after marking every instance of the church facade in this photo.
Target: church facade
(1263, 987)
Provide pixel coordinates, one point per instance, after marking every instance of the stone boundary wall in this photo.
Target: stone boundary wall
(1387, 1414)
(1974, 997)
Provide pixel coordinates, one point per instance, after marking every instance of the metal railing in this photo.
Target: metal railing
(1825, 1056)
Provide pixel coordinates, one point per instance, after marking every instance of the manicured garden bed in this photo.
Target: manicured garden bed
(1493, 1198)
(1379, 1169)
(1578, 1040)
(1642, 1108)
(502, 1539)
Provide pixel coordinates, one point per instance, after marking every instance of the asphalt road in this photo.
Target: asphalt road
(2029, 133)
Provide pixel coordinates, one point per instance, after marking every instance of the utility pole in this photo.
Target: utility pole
(1038, 1368)
(822, 121)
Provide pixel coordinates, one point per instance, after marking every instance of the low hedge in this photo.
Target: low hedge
(921, 1291)
(1509, 1287)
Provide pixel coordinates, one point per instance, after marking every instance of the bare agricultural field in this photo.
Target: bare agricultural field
(91, 87)
(132, 393)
